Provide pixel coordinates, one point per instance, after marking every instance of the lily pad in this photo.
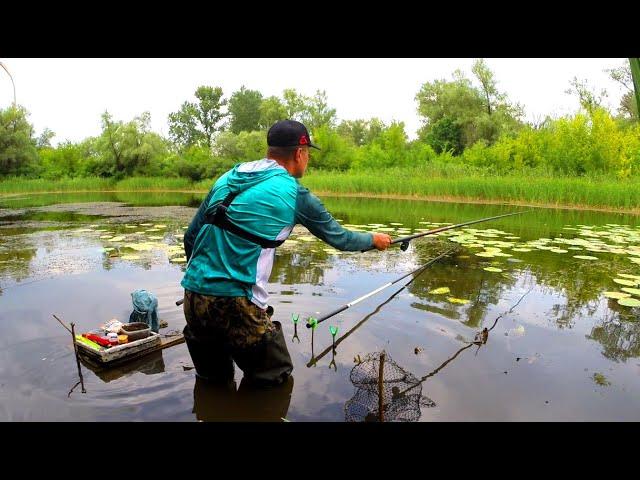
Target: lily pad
(633, 291)
(616, 295)
(462, 301)
(492, 269)
(586, 257)
(440, 291)
(628, 275)
(178, 260)
(141, 247)
(629, 302)
(629, 283)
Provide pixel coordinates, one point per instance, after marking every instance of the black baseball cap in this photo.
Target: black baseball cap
(289, 133)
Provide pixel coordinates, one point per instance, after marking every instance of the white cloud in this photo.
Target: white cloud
(68, 95)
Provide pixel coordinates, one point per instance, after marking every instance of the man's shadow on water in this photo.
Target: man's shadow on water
(223, 402)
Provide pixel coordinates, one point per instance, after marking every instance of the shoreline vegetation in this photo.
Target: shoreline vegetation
(474, 146)
(607, 195)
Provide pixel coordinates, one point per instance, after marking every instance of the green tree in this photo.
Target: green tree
(473, 113)
(485, 77)
(198, 123)
(589, 98)
(295, 104)
(243, 147)
(195, 163)
(361, 132)
(317, 112)
(271, 110)
(244, 110)
(628, 107)
(389, 149)
(44, 140)
(18, 154)
(458, 100)
(445, 135)
(337, 152)
(63, 161)
(124, 149)
(354, 130)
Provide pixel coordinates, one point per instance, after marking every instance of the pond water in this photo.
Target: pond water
(555, 290)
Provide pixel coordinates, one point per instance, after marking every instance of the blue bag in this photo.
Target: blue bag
(145, 309)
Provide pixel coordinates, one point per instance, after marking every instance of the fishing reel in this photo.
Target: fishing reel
(404, 245)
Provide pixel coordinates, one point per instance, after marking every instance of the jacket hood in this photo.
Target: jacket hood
(245, 175)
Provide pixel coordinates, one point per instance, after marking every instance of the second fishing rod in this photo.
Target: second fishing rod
(313, 322)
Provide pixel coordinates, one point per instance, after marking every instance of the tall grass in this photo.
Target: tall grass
(567, 191)
(93, 184)
(153, 183)
(435, 181)
(85, 184)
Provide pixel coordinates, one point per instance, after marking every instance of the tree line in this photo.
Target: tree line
(466, 121)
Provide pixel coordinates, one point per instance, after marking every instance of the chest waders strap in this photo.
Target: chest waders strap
(221, 220)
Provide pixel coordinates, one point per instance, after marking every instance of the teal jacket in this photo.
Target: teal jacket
(269, 203)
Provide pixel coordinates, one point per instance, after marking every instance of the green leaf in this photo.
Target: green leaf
(460, 301)
(627, 275)
(492, 269)
(616, 295)
(634, 291)
(439, 291)
(629, 302)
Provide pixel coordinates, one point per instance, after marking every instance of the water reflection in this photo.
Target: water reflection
(620, 339)
(227, 403)
(150, 364)
(81, 253)
(387, 392)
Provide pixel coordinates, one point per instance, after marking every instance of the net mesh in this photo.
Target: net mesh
(401, 392)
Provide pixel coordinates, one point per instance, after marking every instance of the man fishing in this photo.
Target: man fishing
(230, 245)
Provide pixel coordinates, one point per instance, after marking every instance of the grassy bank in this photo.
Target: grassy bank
(94, 184)
(530, 188)
(579, 192)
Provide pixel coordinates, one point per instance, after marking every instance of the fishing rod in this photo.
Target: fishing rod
(404, 241)
(313, 322)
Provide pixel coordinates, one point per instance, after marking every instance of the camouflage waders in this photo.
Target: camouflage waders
(221, 330)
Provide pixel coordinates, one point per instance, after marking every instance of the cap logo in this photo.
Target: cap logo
(303, 140)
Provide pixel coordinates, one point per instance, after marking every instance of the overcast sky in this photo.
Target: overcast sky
(68, 95)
